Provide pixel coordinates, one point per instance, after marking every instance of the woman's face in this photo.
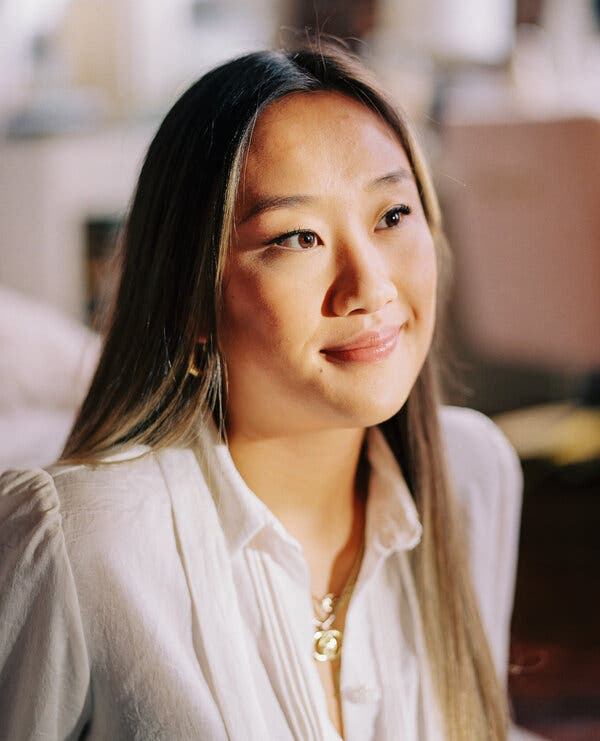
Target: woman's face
(330, 281)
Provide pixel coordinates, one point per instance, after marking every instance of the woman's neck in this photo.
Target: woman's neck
(309, 482)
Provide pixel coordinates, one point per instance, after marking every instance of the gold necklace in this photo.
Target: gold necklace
(328, 640)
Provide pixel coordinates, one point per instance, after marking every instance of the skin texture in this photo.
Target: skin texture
(284, 304)
(296, 415)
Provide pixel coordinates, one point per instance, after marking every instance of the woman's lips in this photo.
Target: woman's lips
(367, 347)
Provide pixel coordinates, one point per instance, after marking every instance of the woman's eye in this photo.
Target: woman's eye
(393, 217)
(297, 240)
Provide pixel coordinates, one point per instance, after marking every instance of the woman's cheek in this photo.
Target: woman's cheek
(416, 273)
(252, 307)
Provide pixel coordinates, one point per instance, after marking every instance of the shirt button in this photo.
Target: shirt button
(361, 695)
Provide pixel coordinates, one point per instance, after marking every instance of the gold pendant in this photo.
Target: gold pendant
(328, 644)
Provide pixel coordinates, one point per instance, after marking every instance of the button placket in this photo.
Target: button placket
(360, 692)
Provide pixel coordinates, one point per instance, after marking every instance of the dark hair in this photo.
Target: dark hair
(175, 245)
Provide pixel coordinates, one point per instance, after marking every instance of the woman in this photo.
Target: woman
(254, 533)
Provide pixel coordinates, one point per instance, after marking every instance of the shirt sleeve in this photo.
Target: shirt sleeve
(44, 667)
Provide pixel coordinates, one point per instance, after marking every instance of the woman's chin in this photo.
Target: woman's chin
(368, 410)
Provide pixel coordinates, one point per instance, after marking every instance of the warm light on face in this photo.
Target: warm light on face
(330, 282)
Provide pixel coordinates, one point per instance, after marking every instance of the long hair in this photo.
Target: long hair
(175, 243)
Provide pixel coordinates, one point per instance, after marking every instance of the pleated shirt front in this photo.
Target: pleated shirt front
(382, 686)
(159, 598)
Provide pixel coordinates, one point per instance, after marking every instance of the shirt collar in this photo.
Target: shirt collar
(241, 512)
(392, 519)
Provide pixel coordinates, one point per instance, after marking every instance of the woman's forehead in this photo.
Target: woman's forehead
(314, 135)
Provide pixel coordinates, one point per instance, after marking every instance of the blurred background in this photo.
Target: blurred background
(505, 95)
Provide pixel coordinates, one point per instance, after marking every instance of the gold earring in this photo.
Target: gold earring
(193, 368)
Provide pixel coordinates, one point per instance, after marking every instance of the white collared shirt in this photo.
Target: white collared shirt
(274, 587)
(159, 598)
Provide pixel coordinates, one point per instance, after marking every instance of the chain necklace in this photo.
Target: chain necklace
(328, 640)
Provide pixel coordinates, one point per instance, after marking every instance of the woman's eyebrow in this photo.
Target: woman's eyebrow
(270, 203)
(396, 176)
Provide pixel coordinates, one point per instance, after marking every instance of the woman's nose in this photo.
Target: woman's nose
(363, 284)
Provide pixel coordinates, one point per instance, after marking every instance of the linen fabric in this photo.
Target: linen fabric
(154, 596)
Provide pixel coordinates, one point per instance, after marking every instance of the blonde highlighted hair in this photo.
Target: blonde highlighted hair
(174, 247)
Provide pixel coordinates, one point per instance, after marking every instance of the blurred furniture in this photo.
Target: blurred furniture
(102, 236)
(523, 205)
(522, 200)
(46, 363)
(49, 189)
(555, 678)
